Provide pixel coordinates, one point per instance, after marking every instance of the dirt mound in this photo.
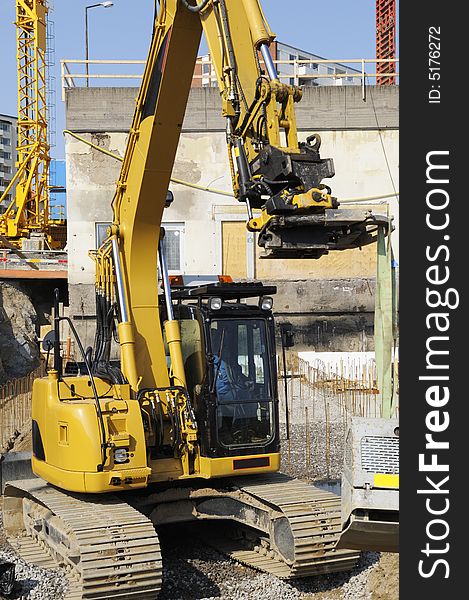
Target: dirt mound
(19, 351)
(383, 582)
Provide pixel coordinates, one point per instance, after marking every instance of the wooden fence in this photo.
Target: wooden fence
(15, 406)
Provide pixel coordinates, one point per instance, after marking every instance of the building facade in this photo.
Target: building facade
(8, 142)
(291, 67)
(328, 300)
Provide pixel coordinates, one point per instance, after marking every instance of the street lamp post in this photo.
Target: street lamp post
(105, 5)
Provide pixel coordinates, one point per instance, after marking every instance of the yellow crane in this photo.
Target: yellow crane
(29, 209)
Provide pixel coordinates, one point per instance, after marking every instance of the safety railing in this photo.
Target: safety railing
(15, 407)
(319, 71)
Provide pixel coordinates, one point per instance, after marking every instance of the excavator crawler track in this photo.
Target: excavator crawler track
(309, 519)
(109, 549)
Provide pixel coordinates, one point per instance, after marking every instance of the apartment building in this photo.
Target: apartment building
(8, 141)
(291, 67)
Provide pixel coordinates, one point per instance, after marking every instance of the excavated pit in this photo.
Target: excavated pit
(19, 349)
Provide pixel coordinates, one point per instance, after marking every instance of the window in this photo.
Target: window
(314, 66)
(307, 82)
(6, 155)
(6, 141)
(4, 126)
(173, 247)
(101, 232)
(205, 68)
(330, 70)
(242, 382)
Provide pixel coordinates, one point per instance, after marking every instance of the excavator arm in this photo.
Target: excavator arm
(281, 185)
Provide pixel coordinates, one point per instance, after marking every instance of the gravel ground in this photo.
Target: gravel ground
(32, 583)
(201, 573)
(194, 571)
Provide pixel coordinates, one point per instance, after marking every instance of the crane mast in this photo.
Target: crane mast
(29, 209)
(386, 17)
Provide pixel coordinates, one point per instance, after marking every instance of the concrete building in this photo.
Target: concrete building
(304, 74)
(330, 301)
(8, 155)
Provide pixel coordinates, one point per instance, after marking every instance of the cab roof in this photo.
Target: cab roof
(225, 291)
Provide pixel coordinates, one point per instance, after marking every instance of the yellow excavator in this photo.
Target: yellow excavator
(185, 425)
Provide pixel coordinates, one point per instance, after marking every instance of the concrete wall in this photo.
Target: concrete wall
(361, 137)
(322, 108)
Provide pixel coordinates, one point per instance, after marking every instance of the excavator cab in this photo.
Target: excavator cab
(228, 346)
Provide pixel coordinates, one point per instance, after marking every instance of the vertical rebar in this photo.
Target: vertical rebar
(328, 442)
(290, 356)
(300, 374)
(308, 444)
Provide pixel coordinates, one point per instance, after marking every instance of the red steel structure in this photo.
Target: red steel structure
(385, 40)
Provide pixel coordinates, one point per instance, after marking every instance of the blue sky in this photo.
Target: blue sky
(333, 29)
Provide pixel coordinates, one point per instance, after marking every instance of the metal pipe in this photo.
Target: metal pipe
(233, 73)
(105, 5)
(287, 413)
(269, 62)
(165, 278)
(57, 357)
(249, 209)
(120, 282)
(86, 46)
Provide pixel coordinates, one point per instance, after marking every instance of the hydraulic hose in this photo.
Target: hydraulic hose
(197, 8)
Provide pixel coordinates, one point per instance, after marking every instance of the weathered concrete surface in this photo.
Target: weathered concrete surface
(361, 171)
(344, 332)
(362, 138)
(324, 296)
(322, 108)
(328, 314)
